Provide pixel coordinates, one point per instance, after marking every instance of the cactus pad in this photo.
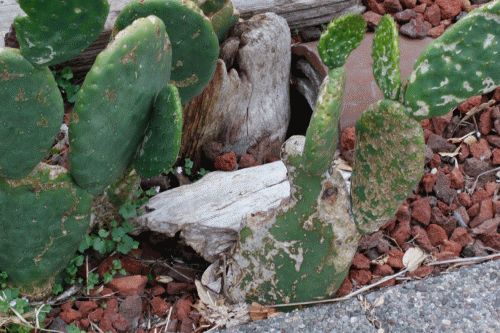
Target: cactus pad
(195, 48)
(388, 162)
(340, 38)
(461, 63)
(43, 218)
(385, 54)
(31, 112)
(160, 148)
(223, 19)
(114, 103)
(302, 251)
(55, 31)
(322, 133)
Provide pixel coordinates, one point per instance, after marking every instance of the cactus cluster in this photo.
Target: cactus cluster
(128, 111)
(302, 250)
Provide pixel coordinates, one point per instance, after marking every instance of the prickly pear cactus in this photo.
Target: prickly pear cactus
(221, 14)
(303, 250)
(43, 218)
(57, 30)
(31, 112)
(161, 144)
(195, 48)
(340, 38)
(461, 63)
(322, 133)
(385, 54)
(388, 163)
(114, 103)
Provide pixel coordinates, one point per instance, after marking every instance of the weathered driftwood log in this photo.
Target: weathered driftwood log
(208, 213)
(250, 101)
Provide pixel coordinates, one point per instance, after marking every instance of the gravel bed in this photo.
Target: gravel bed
(464, 300)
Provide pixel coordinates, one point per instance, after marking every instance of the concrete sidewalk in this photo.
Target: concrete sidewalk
(465, 300)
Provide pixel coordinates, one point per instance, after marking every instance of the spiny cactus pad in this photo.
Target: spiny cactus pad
(461, 63)
(195, 48)
(385, 54)
(43, 218)
(223, 19)
(160, 148)
(57, 30)
(388, 162)
(340, 38)
(322, 133)
(114, 103)
(31, 112)
(211, 6)
(302, 251)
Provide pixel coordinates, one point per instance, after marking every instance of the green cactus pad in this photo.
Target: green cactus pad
(211, 6)
(55, 31)
(388, 162)
(31, 113)
(223, 19)
(461, 63)
(114, 103)
(195, 48)
(43, 218)
(340, 38)
(160, 148)
(322, 133)
(385, 54)
(302, 251)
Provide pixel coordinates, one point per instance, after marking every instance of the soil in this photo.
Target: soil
(452, 213)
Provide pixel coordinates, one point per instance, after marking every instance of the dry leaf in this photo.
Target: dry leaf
(259, 312)
(211, 277)
(342, 165)
(411, 258)
(455, 153)
(455, 140)
(380, 261)
(378, 302)
(164, 279)
(470, 140)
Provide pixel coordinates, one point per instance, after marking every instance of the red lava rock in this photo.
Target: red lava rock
(375, 7)
(392, 6)
(490, 188)
(464, 152)
(86, 307)
(421, 210)
(96, 315)
(435, 161)
(383, 270)
(212, 150)
(405, 15)
(182, 308)
(496, 157)
(395, 259)
(360, 262)
(226, 162)
(443, 256)
(401, 234)
(481, 150)
(70, 315)
(428, 181)
(85, 323)
(111, 306)
(157, 290)
(456, 179)
(432, 15)
(159, 307)
(449, 8)
(348, 138)
(133, 267)
(439, 145)
(461, 236)
(369, 241)
(496, 95)
(473, 211)
(464, 199)
(416, 28)
(106, 325)
(420, 272)
(487, 227)
(422, 239)
(496, 207)
(479, 196)
(178, 288)
(442, 188)
(131, 309)
(106, 265)
(420, 8)
(485, 124)
(492, 240)
(485, 213)
(451, 246)
(360, 277)
(403, 213)
(372, 19)
(436, 234)
(436, 31)
(469, 104)
(494, 140)
(444, 208)
(187, 326)
(246, 160)
(67, 306)
(473, 167)
(383, 247)
(345, 288)
(118, 322)
(409, 3)
(129, 285)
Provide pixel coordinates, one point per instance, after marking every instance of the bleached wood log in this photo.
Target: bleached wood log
(208, 213)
